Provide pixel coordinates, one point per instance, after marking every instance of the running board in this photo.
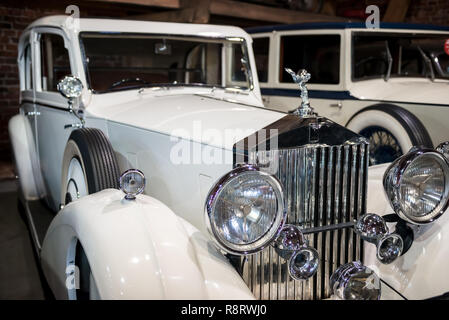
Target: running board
(39, 218)
(34, 236)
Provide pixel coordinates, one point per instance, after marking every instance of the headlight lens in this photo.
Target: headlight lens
(422, 186)
(417, 185)
(245, 210)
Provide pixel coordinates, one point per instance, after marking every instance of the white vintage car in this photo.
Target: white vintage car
(219, 197)
(389, 84)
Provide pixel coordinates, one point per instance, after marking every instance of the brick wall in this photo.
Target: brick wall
(15, 16)
(429, 11)
(12, 21)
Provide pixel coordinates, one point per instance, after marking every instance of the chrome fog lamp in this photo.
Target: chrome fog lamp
(245, 210)
(373, 228)
(70, 87)
(354, 281)
(303, 261)
(132, 183)
(417, 185)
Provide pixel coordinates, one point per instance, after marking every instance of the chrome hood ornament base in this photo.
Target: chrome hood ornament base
(304, 110)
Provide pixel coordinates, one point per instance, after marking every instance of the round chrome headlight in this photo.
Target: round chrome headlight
(417, 185)
(132, 183)
(245, 210)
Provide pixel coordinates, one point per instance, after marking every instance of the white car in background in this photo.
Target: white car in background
(241, 202)
(389, 84)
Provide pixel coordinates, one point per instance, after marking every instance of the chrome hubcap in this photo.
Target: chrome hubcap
(76, 184)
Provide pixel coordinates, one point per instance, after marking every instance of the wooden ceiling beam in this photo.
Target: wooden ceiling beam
(173, 4)
(192, 11)
(396, 11)
(263, 13)
(183, 15)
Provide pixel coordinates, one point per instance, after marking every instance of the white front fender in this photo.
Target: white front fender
(25, 156)
(422, 271)
(137, 250)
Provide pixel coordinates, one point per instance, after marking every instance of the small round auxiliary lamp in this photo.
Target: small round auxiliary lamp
(132, 183)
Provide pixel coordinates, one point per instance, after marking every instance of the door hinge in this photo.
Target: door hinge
(32, 113)
(338, 105)
(73, 125)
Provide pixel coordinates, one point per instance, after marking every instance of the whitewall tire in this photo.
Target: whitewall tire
(89, 165)
(392, 131)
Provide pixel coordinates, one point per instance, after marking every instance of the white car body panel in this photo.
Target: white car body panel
(156, 254)
(146, 131)
(421, 272)
(412, 90)
(187, 116)
(182, 187)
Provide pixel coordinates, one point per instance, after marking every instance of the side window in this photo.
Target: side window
(28, 65)
(320, 55)
(55, 62)
(261, 48)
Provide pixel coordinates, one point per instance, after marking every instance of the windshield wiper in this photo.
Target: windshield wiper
(390, 61)
(428, 62)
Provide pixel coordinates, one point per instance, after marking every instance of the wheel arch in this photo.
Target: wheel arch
(137, 250)
(411, 124)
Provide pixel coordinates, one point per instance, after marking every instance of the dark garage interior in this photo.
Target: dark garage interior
(20, 276)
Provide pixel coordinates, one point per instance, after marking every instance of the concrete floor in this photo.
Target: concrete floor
(19, 276)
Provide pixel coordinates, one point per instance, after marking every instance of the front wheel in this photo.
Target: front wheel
(391, 130)
(89, 165)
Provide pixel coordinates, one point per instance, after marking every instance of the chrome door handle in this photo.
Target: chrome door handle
(32, 113)
(73, 125)
(336, 105)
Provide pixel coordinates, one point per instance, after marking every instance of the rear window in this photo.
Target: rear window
(319, 55)
(261, 48)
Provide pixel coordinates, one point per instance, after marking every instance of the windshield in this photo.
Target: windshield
(127, 61)
(398, 55)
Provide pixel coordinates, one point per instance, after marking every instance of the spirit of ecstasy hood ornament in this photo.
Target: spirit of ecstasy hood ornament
(304, 110)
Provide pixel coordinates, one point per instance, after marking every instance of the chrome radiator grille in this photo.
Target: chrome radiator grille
(324, 185)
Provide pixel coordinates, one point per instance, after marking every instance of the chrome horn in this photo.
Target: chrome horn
(373, 228)
(303, 261)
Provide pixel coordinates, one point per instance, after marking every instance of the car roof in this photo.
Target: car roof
(345, 25)
(136, 26)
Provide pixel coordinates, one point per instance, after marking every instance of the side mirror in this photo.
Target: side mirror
(70, 87)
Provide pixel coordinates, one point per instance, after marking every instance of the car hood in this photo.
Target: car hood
(195, 117)
(415, 90)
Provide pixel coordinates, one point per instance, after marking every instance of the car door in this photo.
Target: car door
(321, 54)
(27, 106)
(54, 61)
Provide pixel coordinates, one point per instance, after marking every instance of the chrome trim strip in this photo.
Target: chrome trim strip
(325, 228)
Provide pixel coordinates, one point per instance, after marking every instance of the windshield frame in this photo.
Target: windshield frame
(394, 34)
(231, 39)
